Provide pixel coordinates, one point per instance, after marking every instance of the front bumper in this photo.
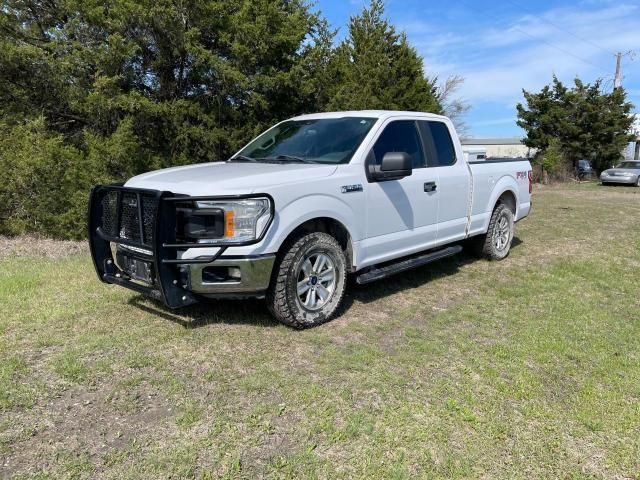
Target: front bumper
(619, 179)
(132, 237)
(231, 277)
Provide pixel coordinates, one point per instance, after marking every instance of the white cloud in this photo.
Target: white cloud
(525, 51)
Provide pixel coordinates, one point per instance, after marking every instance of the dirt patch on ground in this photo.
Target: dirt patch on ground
(83, 421)
(34, 246)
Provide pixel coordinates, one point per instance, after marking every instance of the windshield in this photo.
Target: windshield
(629, 165)
(329, 141)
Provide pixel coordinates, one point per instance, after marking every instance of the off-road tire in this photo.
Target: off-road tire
(485, 245)
(282, 297)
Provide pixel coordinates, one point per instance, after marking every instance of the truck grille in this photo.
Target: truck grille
(129, 225)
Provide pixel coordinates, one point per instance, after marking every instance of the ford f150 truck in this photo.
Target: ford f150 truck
(309, 201)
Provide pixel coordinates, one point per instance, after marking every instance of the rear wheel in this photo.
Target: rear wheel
(496, 243)
(309, 283)
(638, 181)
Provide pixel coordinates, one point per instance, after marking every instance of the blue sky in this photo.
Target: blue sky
(501, 47)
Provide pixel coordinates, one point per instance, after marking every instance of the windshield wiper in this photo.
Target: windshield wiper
(242, 158)
(293, 158)
(279, 158)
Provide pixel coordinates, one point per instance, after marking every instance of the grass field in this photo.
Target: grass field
(527, 368)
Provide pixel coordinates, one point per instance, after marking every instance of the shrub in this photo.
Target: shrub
(37, 187)
(552, 162)
(46, 182)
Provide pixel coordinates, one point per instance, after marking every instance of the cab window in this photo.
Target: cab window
(441, 152)
(399, 136)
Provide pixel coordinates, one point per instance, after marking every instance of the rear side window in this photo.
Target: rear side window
(441, 152)
(400, 136)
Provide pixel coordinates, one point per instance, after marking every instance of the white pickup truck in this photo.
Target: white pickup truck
(311, 200)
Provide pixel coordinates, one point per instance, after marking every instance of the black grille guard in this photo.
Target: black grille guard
(155, 233)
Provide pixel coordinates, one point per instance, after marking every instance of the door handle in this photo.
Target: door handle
(430, 186)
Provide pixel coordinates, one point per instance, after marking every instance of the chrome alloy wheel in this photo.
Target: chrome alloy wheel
(502, 233)
(316, 280)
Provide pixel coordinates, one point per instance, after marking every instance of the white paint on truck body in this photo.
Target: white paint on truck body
(385, 220)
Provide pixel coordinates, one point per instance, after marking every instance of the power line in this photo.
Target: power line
(599, 67)
(567, 52)
(562, 29)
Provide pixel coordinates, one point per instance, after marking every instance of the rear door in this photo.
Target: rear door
(401, 214)
(454, 180)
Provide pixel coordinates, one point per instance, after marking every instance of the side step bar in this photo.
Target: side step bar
(402, 265)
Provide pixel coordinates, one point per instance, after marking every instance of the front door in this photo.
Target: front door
(402, 214)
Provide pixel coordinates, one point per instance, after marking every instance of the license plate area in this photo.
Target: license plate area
(136, 268)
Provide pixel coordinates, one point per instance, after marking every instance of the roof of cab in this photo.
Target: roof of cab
(367, 113)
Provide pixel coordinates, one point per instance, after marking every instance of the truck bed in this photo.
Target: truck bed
(487, 178)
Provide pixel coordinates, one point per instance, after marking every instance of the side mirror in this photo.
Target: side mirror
(394, 166)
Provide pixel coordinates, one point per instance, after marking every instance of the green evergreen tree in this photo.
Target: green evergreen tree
(125, 86)
(194, 78)
(376, 68)
(587, 122)
(100, 90)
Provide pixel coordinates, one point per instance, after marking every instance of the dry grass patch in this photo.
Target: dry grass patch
(34, 246)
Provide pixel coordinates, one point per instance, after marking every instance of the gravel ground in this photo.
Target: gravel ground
(33, 246)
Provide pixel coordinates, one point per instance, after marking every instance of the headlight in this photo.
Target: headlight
(245, 220)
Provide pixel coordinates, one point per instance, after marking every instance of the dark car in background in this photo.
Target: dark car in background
(627, 173)
(584, 170)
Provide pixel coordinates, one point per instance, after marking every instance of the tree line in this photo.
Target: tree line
(567, 124)
(95, 91)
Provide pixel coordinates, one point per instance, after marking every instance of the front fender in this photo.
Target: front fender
(292, 212)
(301, 210)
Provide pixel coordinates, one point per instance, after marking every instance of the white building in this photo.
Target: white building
(499, 147)
(636, 144)
(632, 152)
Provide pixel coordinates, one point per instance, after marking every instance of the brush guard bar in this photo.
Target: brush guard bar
(145, 221)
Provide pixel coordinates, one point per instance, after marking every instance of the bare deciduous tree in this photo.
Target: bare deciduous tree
(454, 107)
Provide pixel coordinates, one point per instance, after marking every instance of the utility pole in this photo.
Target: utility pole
(617, 83)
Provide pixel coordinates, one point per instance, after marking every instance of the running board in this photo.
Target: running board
(402, 265)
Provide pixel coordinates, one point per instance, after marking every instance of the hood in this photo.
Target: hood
(619, 171)
(222, 178)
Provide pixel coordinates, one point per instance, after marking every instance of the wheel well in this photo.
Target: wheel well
(326, 225)
(508, 199)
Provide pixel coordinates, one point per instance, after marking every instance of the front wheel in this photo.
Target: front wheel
(638, 181)
(309, 281)
(496, 243)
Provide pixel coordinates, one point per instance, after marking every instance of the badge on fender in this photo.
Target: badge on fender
(351, 188)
